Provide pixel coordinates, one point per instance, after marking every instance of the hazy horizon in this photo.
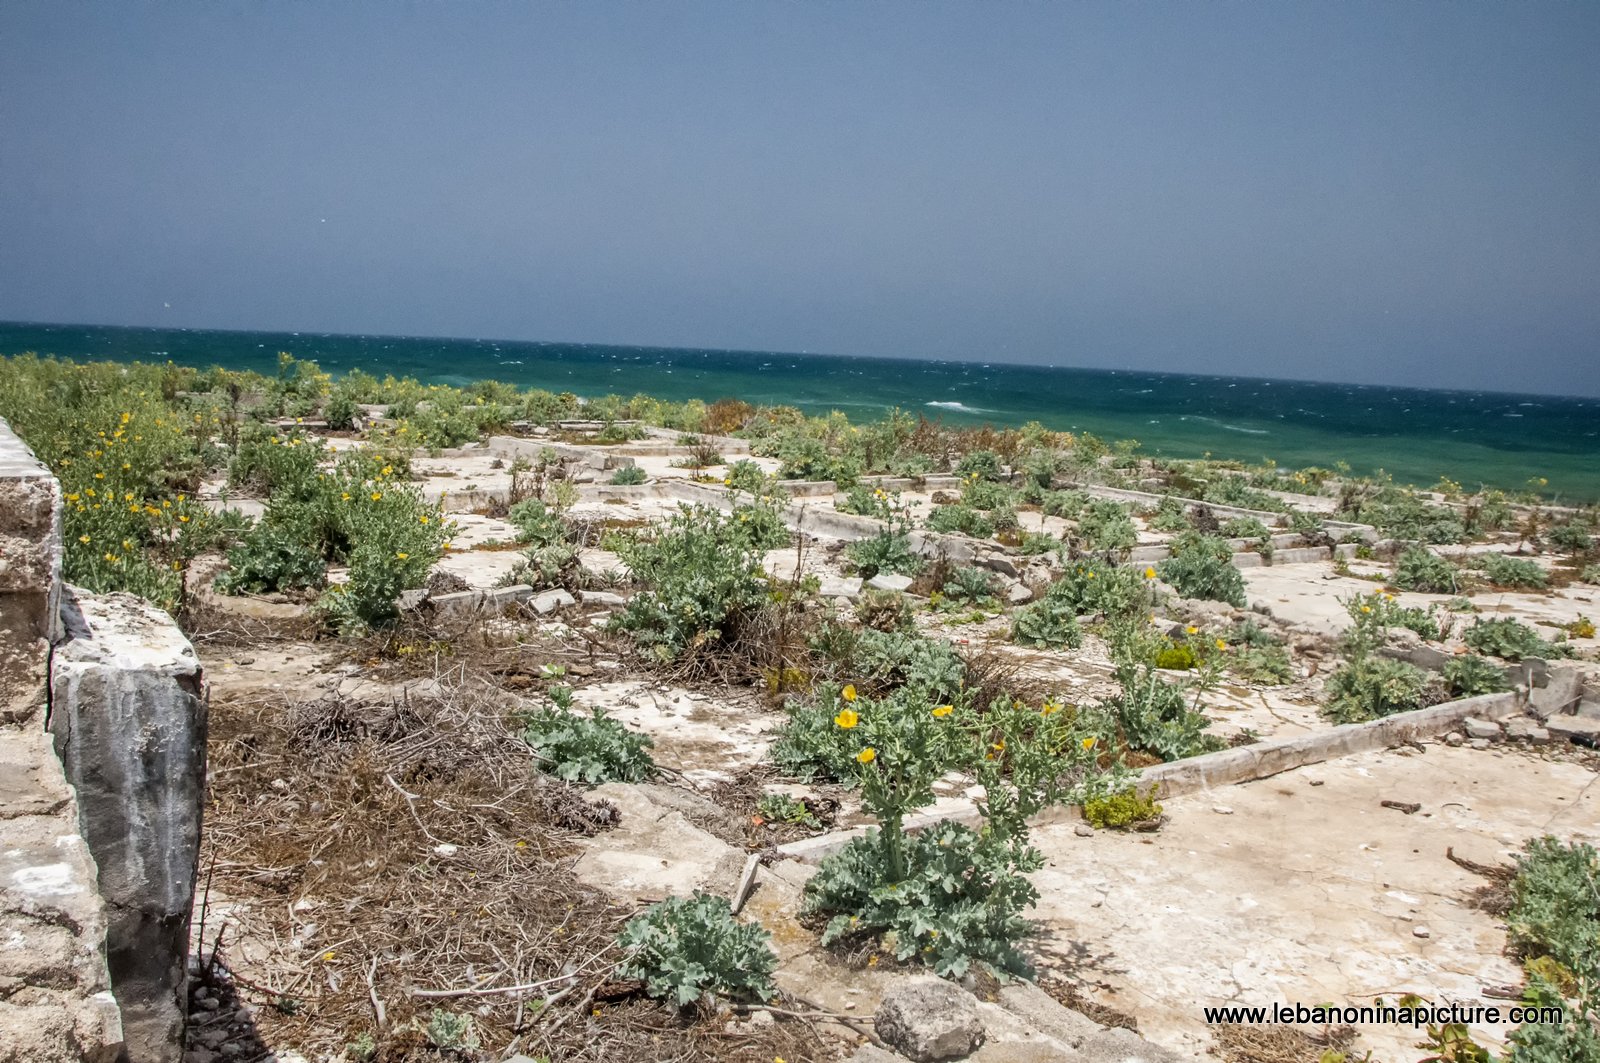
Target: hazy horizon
(1368, 193)
(810, 354)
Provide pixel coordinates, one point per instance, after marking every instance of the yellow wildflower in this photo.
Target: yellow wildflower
(944, 710)
(849, 692)
(847, 718)
(83, 539)
(1191, 629)
(1149, 573)
(1221, 645)
(377, 495)
(1088, 743)
(867, 756)
(1048, 708)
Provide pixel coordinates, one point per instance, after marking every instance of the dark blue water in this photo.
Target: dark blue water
(1418, 435)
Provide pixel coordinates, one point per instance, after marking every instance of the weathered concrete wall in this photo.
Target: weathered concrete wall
(128, 713)
(55, 1001)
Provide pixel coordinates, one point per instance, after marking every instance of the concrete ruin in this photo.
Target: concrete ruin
(102, 768)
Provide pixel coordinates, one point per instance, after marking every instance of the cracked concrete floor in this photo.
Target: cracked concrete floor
(1302, 888)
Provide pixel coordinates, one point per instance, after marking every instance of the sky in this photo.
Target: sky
(1402, 193)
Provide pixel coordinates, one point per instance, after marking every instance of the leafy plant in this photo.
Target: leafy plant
(591, 749)
(688, 949)
(1122, 810)
(1573, 537)
(1202, 567)
(1420, 569)
(969, 584)
(1554, 923)
(272, 559)
(629, 476)
(451, 1032)
(1581, 628)
(1049, 623)
(1509, 639)
(781, 808)
(1469, 675)
(1504, 570)
(888, 551)
(1371, 686)
(960, 519)
(1154, 714)
(703, 575)
(1106, 527)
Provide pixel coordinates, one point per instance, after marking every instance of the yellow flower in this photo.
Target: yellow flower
(1090, 575)
(1191, 629)
(1366, 608)
(83, 539)
(1048, 708)
(944, 710)
(847, 718)
(377, 495)
(347, 496)
(422, 520)
(184, 519)
(401, 555)
(867, 756)
(1088, 743)
(327, 957)
(1221, 645)
(387, 469)
(849, 692)
(1149, 573)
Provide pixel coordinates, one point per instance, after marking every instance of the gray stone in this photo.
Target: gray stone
(1478, 743)
(1476, 728)
(1454, 738)
(1589, 709)
(1522, 729)
(1019, 594)
(128, 713)
(1083, 830)
(1577, 729)
(548, 602)
(605, 598)
(889, 581)
(929, 1019)
(840, 587)
(1116, 1045)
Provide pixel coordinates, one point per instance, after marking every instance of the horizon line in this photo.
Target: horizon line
(810, 354)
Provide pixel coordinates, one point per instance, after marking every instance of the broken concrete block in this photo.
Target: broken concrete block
(1476, 728)
(1577, 729)
(548, 602)
(1562, 691)
(605, 598)
(929, 1019)
(888, 581)
(128, 713)
(841, 587)
(1522, 729)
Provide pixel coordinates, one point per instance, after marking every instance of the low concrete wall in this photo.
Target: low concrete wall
(601, 459)
(55, 999)
(1240, 765)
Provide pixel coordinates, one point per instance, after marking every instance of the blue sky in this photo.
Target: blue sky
(1395, 193)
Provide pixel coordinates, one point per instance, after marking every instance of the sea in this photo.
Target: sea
(1493, 439)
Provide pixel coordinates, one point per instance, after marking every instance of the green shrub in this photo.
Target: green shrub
(340, 411)
(1590, 574)
(960, 519)
(884, 610)
(1245, 528)
(1505, 571)
(982, 464)
(703, 575)
(591, 749)
(450, 1032)
(1509, 639)
(271, 559)
(1371, 686)
(1049, 623)
(1420, 569)
(1573, 537)
(987, 495)
(1469, 675)
(1270, 665)
(746, 475)
(781, 808)
(687, 949)
(536, 524)
(1176, 657)
(969, 584)
(888, 551)
(1202, 567)
(865, 501)
(1168, 516)
(1554, 924)
(1106, 527)
(629, 476)
(1120, 811)
(1092, 585)
(1065, 504)
(959, 901)
(1154, 715)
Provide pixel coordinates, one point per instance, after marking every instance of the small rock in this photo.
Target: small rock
(888, 581)
(929, 1019)
(1420, 931)
(605, 598)
(1478, 743)
(548, 602)
(1222, 810)
(1476, 728)
(1019, 594)
(1083, 830)
(1454, 738)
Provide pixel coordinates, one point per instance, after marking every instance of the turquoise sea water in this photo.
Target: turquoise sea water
(1417, 435)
